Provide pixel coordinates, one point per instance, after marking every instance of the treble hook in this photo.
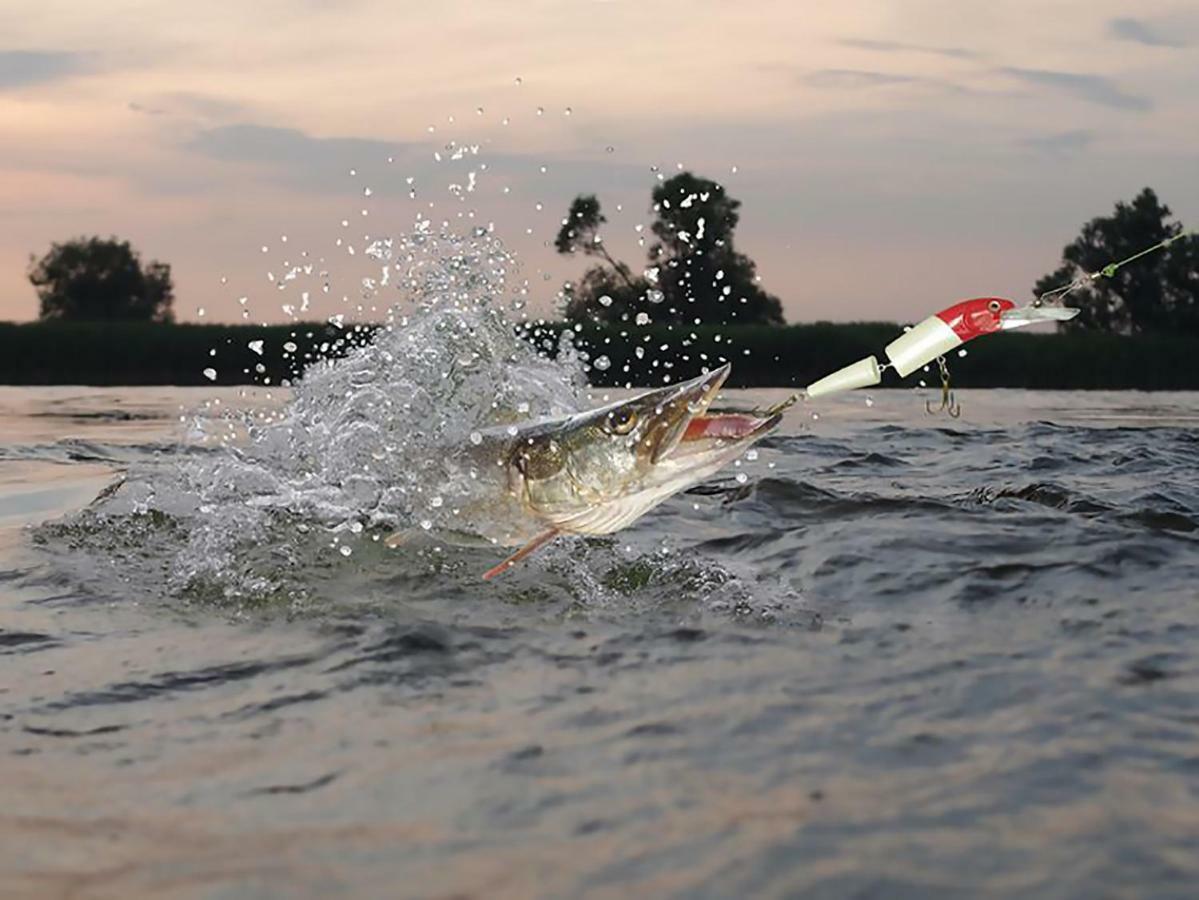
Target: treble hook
(948, 402)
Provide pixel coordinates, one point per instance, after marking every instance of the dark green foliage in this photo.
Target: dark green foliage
(120, 353)
(603, 295)
(694, 272)
(133, 353)
(93, 279)
(1158, 293)
(796, 355)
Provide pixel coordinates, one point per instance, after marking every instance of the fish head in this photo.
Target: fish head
(596, 472)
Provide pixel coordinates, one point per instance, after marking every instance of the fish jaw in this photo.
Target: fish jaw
(598, 481)
(708, 443)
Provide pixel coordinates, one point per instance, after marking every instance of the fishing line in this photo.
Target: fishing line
(1109, 271)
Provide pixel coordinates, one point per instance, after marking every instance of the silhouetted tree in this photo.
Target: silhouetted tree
(93, 278)
(1157, 293)
(701, 275)
(694, 272)
(580, 231)
(605, 297)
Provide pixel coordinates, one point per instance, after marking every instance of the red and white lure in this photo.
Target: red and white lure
(937, 335)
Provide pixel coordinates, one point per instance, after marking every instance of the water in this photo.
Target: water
(908, 657)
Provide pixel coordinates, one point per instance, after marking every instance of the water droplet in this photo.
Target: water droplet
(290, 346)
(519, 81)
(870, 401)
(605, 300)
(344, 550)
(751, 454)
(742, 478)
(210, 374)
(436, 502)
(962, 352)
(541, 110)
(200, 311)
(642, 318)
(602, 363)
(567, 111)
(426, 524)
(476, 438)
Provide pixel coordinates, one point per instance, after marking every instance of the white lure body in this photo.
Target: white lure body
(863, 373)
(921, 345)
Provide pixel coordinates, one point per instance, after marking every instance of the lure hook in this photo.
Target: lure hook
(949, 403)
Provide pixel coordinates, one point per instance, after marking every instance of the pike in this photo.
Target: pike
(599, 471)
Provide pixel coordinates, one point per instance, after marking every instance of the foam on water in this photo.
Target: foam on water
(259, 505)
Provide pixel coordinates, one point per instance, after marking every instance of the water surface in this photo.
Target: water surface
(905, 657)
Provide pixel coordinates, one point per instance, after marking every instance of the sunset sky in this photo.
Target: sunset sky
(891, 157)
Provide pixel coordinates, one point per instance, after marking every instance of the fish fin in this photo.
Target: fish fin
(397, 539)
(544, 538)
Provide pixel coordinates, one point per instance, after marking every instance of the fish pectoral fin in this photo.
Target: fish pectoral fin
(542, 539)
(397, 539)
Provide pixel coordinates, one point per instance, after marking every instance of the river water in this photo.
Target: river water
(906, 656)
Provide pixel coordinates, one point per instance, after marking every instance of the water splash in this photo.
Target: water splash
(368, 443)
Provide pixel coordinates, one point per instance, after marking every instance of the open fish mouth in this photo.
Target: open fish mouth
(704, 431)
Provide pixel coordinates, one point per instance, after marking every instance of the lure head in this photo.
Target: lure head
(986, 315)
(597, 472)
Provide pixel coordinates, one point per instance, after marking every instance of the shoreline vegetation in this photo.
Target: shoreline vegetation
(147, 353)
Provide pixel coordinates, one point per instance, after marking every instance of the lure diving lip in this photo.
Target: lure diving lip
(937, 335)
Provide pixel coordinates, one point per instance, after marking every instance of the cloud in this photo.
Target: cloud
(900, 47)
(322, 164)
(865, 79)
(146, 110)
(19, 68)
(1062, 142)
(855, 78)
(1140, 32)
(185, 103)
(300, 159)
(1092, 88)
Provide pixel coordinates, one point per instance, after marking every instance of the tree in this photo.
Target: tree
(694, 273)
(701, 274)
(580, 231)
(1157, 293)
(603, 296)
(92, 278)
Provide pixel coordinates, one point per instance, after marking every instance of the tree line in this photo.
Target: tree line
(693, 274)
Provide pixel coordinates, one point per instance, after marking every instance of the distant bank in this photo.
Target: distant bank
(96, 353)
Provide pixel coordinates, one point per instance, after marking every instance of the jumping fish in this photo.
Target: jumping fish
(599, 471)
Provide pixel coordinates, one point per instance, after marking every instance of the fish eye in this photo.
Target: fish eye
(621, 421)
(993, 306)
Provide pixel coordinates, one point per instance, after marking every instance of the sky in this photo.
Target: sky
(891, 156)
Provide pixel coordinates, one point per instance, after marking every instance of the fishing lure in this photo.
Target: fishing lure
(937, 335)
